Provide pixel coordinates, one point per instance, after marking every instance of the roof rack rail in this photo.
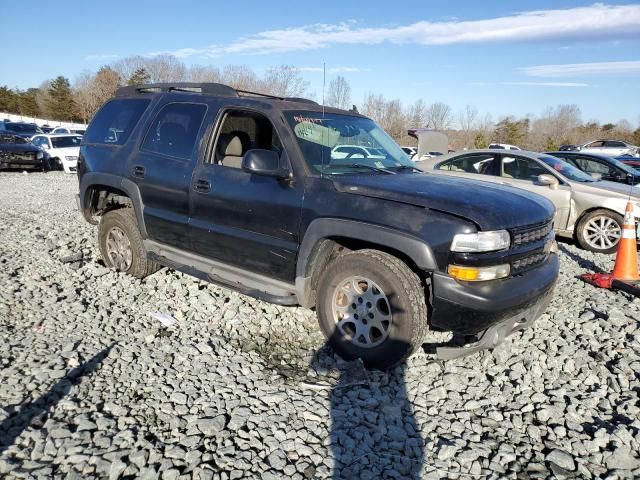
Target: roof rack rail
(208, 88)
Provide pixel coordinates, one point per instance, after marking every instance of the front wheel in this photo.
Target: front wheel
(599, 231)
(371, 305)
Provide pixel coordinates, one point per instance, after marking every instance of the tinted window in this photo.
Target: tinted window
(65, 142)
(614, 144)
(174, 131)
(595, 144)
(114, 122)
(521, 168)
(484, 163)
(22, 127)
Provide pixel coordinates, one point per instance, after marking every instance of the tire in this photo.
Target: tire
(401, 314)
(119, 227)
(586, 233)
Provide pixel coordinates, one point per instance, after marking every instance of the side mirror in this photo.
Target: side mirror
(264, 162)
(596, 176)
(549, 180)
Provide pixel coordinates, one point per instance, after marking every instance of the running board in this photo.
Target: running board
(243, 281)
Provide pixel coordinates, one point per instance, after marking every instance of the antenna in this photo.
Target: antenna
(324, 81)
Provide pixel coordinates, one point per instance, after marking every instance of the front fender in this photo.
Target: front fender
(322, 228)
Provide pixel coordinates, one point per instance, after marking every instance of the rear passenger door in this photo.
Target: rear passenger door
(239, 218)
(163, 168)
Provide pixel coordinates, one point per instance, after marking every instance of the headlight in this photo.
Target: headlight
(478, 274)
(481, 241)
(39, 155)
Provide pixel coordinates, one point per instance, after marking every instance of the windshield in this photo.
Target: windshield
(565, 169)
(11, 139)
(339, 144)
(22, 128)
(64, 142)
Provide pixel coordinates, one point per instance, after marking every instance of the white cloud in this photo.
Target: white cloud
(597, 21)
(546, 84)
(333, 70)
(579, 69)
(101, 56)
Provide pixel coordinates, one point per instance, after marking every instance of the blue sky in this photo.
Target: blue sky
(503, 57)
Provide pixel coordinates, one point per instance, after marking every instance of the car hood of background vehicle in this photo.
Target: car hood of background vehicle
(488, 205)
(19, 147)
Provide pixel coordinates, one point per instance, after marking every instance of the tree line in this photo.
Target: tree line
(59, 99)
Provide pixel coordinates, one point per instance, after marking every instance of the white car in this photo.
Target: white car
(356, 151)
(62, 150)
(503, 146)
(410, 151)
(612, 148)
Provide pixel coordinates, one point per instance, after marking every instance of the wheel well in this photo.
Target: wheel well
(329, 248)
(99, 199)
(587, 212)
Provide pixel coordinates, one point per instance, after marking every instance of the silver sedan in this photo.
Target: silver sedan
(588, 209)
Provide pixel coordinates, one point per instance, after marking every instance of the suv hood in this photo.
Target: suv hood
(490, 206)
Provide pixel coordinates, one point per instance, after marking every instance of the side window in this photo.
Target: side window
(174, 131)
(593, 166)
(483, 163)
(240, 132)
(521, 168)
(596, 144)
(113, 124)
(614, 144)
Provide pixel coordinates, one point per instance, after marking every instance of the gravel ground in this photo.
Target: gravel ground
(92, 386)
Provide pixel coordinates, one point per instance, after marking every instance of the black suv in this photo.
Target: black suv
(249, 191)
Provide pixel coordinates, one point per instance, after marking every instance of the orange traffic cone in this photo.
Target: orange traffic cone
(626, 266)
(625, 271)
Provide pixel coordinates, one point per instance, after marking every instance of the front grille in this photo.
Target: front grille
(529, 261)
(72, 159)
(525, 235)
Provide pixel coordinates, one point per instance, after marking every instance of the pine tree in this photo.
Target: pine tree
(60, 104)
(480, 141)
(28, 103)
(139, 77)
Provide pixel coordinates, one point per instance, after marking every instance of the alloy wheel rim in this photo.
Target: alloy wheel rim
(361, 311)
(602, 232)
(119, 249)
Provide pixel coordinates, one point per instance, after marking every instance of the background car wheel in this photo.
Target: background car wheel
(121, 244)
(371, 305)
(599, 231)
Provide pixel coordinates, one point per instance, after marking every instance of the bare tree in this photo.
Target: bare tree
(467, 121)
(201, 73)
(439, 116)
(416, 115)
(284, 81)
(240, 77)
(339, 93)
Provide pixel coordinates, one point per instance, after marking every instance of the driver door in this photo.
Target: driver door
(522, 172)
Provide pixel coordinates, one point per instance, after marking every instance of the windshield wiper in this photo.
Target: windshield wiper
(368, 167)
(408, 167)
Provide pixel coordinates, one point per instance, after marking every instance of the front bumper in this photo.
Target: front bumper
(471, 308)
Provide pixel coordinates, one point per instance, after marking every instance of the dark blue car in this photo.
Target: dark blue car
(608, 168)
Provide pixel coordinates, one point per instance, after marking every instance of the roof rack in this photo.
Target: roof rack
(188, 87)
(206, 88)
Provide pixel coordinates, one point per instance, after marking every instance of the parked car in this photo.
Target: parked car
(612, 148)
(600, 166)
(18, 152)
(243, 190)
(354, 152)
(61, 150)
(502, 146)
(46, 128)
(410, 151)
(568, 148)
(21, 129)
(588, 209)
(428, 155)
(630, 160)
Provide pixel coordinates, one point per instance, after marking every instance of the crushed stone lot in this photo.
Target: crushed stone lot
(92, 386)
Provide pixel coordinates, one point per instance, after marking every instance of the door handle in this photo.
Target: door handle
(138, 171)
(202, 186)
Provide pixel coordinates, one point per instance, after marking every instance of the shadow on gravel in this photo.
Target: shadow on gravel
(373, 431)
(582, 262)
(34, 413)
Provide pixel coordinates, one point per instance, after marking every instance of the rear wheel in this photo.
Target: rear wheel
(371, 305)
(599, 231)
(121, 244)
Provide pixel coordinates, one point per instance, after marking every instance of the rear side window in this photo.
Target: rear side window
(115, 121)
(174, 131)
